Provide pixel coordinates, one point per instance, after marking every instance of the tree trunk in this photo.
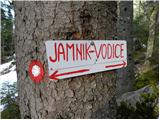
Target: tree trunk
(89, 96)
(125, 77)
(153, 19)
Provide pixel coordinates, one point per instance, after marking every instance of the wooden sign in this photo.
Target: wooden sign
(70, 58)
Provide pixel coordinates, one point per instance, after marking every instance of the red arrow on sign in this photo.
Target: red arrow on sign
(115, 65)
(55, 74)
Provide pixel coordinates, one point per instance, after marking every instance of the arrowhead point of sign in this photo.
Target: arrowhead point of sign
(54, 75)
(115, 65)
(124, 63)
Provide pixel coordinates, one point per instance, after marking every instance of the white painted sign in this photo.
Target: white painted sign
(72, 58)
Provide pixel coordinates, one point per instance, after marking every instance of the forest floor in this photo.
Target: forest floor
(8, 75)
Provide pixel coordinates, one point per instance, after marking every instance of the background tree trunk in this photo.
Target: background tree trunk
(89, 96)
(152, 40)
(125, 79)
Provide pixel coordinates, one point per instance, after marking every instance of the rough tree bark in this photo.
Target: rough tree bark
(125, 79)
(89, 96)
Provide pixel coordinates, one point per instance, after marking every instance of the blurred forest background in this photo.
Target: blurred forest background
(146, 61)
